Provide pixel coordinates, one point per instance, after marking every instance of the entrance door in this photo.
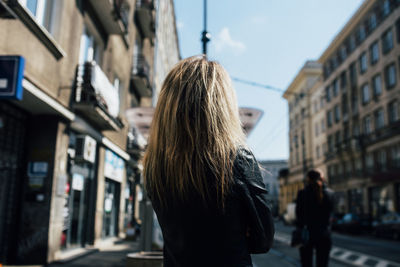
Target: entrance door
(12, 144)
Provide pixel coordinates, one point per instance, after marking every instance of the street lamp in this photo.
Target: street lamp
(205, 36)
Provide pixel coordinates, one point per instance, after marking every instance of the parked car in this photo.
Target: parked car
(353, 223)
(334, 220)
(388, 226)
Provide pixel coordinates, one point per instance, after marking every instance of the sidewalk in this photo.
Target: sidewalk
(113, 256)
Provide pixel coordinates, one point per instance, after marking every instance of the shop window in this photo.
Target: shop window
(379, 119)
(363, 62)
(365, 94)
(374, 52)
(377, 85)
(393, 111)
(387, 41)
(390, 76)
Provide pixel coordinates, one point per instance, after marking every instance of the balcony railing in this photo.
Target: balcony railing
(141, 86)
(388, 131)
(114, 15)
(144, 18)
(95, 98)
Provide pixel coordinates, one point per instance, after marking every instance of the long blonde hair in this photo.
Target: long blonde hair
(195, 130)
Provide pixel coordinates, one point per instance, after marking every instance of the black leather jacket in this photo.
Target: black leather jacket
(199, 235)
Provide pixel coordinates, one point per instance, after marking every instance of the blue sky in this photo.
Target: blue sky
(266, 41)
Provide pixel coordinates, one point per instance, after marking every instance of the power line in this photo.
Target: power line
(256, 84)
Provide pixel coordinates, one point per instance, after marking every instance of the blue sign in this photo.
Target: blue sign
(11, 75)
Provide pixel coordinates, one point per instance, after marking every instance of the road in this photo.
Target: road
(347, 250)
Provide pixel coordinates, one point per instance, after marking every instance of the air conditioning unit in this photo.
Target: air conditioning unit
(85, 148)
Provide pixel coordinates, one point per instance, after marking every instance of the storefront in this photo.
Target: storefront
(114, 168)
(78, 212)
(356, 200)
(380, 201)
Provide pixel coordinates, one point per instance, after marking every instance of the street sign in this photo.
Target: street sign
(11, 75)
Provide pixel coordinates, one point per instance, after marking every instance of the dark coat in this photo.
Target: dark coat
(196, 234)
(313, 214)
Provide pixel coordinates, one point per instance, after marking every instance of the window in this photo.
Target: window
(322, 125)
(343, 52)
(353, 74)
(393, 112)
(361, 33)
(321, 102)
(379, 119)
(372, 22)
(386, 8)
(369, 162)
(335, 87)
(337, 113)
(331, 145)
(387, 41)
(358, 164)
(354, 104)
(367, 125)
(356, 129)
(338, 138)
(365, 94)
(344, 105)
(390, 76)
(395, 156)
(328, 94)
(352, 43)
(318, 152)
(381, 160)
(348, 167)
(343, 80)
(363, 63)
(330, 118)
(89, 48)
(41, 10)
(315, 106)
(374, 52)
(377, 85)
(316, 129)
(398, 30)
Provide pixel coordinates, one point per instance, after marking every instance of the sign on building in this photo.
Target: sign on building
(11, 75)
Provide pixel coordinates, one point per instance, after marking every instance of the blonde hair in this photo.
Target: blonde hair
(195, 130)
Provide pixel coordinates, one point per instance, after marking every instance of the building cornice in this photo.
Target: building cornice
(305, 72)
(346, 30)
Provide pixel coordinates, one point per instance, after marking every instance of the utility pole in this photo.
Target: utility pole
(205, 36)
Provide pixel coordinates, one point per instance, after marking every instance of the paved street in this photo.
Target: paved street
(347, 250)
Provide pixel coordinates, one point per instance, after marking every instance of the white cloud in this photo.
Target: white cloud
(224, 40)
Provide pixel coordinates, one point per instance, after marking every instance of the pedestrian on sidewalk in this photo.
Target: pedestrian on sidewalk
(204, 183)
(314, 207)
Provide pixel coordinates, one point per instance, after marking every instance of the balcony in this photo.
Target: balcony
(141, 86)
(95, 98)
(381, 134)
(114, 15)
(144, 18)
(136, 143)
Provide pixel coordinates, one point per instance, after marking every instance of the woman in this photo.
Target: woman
(314, 207)
(205, 186)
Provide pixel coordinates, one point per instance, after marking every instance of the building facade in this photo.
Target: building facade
(69, 160)
(270, 173)
(361, 83)
(298, 95)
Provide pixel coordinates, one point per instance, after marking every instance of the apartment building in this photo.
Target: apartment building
(318, 127)
(361, 82)
(298, 95)
(68, 163)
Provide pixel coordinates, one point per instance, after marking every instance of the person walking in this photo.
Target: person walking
(314, 207)
(204, 183)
